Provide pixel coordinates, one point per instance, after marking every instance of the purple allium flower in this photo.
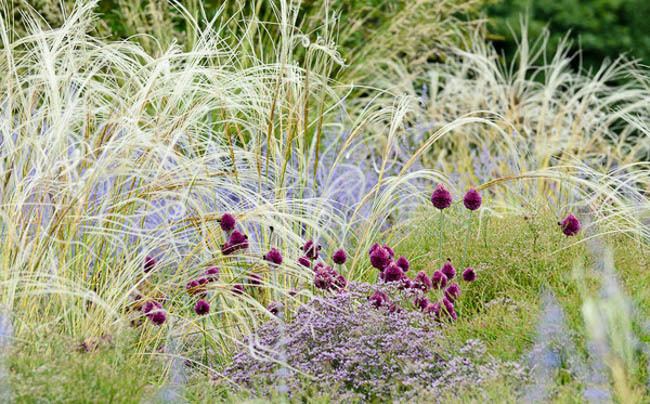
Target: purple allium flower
(422, 302)
(390, 251)
(472, 199)
(203, 281)
(304, 261)
(340, 282)
(149, 263)
(448, 269)
(323, 279)
(449, 308)
(202, 307)
(373, 248)
(379, 258)
(274, 255)
(439, 280)
(236, 241)
(274, 308)
(452, 292)
(212, 274)
(406, 283)
(393, 273)
(227, 222)
(403, 263)
(433, 308)
(150, 306)
(311, 250)
(422, 281)
(469, 275)
(237, 289)
(378, 299)
(193, 287)
(254, 279)
(158, 317)
(570, 225)
(441, 197)
(340, 256)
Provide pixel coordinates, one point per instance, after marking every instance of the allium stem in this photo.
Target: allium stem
(205, 341)
(469, 225)
(442, 235)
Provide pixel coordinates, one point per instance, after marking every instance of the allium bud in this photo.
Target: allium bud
(202, 307)
(469, 275)
(472, 199)
(340, 282)
(254, 279)
(441, 197)
(227, 222)
(150, 306)
(570, 225)
(422, 302)
(158, 317)
(378, 299)
(403, 263)
(438, 280)
(193, 287)
(274, 256)
(393, 273)
(237, 289)
(379, 258)
(452, 292)
(311, 250)
(340, 256)
(423, 282)
(236, 241)
(433, 308)
(274, 308)
(149, 263)
(212, 274)
(449, 308)
(448, 270)
(304, 261)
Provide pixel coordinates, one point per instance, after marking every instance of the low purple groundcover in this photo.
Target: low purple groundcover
(344, 346)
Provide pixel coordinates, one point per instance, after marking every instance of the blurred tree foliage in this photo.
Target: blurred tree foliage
(600, 28)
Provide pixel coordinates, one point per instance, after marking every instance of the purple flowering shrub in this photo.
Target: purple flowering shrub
(345, 344)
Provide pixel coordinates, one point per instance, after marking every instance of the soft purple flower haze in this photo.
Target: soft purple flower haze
(441, 197)
(359, 350)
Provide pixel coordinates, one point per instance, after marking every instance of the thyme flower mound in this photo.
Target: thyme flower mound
(357, 352)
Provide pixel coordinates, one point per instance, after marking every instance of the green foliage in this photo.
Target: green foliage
(601, 28)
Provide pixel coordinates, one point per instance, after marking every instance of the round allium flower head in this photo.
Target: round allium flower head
(323, 279)
(236, 241)
(570, 225)
(192, 287)
(227, 222)
(158, 317)
(149, 263)
(438, 280)
(274, 308)
(311, 249)
(237, 289)
(203, 281)
(373, 247)
(441, 197)
(254, 279)
(422, 302)
(472, 199)
(406, 283)
(378, 298)
(433, 308)
(150, 306)
(452, 292)
(448, 270)
(340, 282)
(423, 282)
(469, 275)
(448, 308)
(340, 256)
(304, 261)
(393, 273)
(379, 258)
(403, 263)
(212, 274)
(274, 256)
(202, 307)
(390, 251)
